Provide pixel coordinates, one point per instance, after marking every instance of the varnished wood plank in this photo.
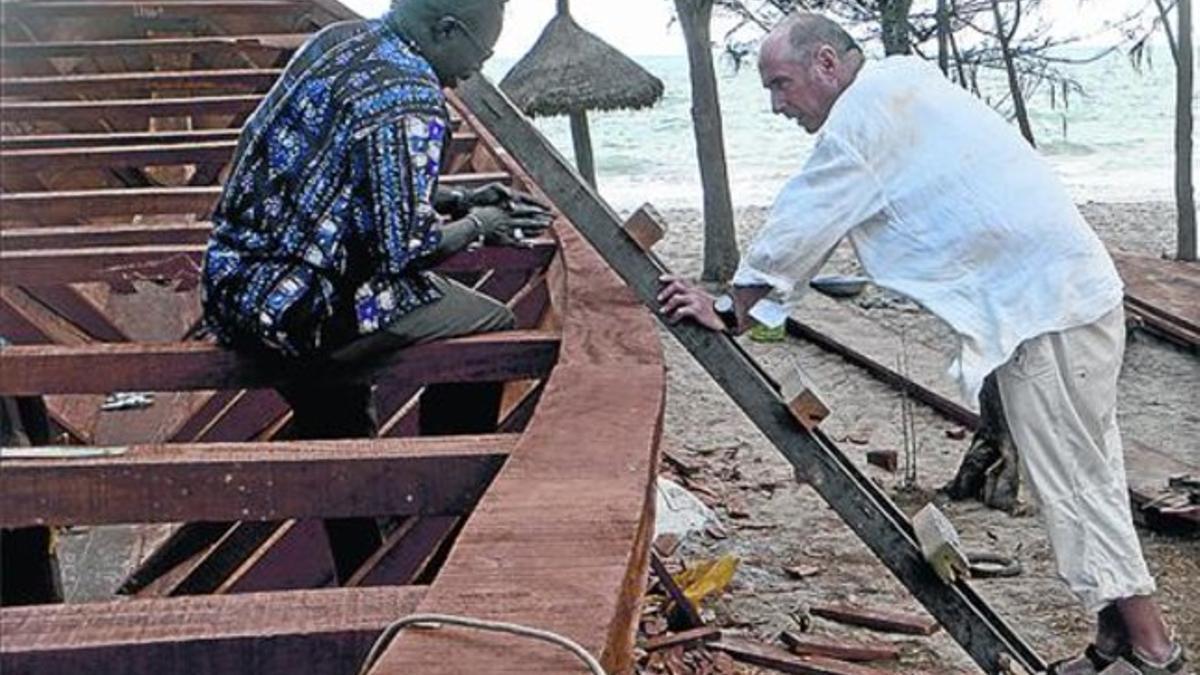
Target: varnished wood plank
(148, 10)
(317, 632)
(77, 237)
(64, 207)
(70, 159)
(87, 112)
(254, 481)
(116, 85)
(209, 45)
(186, 366)
(57, 142)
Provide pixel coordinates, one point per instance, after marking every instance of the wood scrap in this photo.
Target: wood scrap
(877, 619)
(686, 613)
(687, 638)
(811, 645)
(785, 662)
(888, 460)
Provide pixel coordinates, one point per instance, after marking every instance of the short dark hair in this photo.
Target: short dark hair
(432, 10)
(807, 31)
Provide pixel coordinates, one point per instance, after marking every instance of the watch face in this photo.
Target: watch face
(723, 304)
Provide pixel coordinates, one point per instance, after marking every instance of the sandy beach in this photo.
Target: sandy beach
(773, 523)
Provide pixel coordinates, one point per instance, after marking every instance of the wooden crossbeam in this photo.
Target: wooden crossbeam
(67, 112)
(137, 9)
(206, 46)
(114, 85)
(31, 153)
(73, 205)
(441, 475)
(317, 632)
(29, 259)
(186, 366)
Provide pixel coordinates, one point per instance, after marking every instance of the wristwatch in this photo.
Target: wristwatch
(723, 307)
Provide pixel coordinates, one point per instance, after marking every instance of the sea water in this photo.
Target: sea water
(1114, 142)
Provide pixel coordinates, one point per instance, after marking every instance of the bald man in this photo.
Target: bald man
(327, 226)
(946, 204)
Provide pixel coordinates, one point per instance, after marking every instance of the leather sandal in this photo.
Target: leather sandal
(1132, 663)
(1090, 662)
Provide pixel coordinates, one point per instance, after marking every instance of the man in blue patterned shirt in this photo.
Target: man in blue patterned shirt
(329, 221)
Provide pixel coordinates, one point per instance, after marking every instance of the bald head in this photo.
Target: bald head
(455, 36)
(806, 62)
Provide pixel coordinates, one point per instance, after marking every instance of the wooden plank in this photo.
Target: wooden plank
(209, 46)
(101, 237)
(874, 518)
(64, 159)
(685, 638)
(405, 552)
(782, 661)
(55, 142)
(188, 366)
(67, 206)
(297, 556)
(136, 9)
(87, 112)
(317, 632)
(877, 619)
(250, 481)
(116, 85)
(814, 645)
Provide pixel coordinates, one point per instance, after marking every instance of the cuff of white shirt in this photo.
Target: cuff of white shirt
(748, 276)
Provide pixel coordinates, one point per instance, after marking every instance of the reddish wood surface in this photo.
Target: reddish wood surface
(318, 632)
(780, 660)
(296, 557)
(180, 366)
(244, 481)
(846, 650)
(126, 110)
(406, 552)
(115, 85)
(206, 45)
(150, 10)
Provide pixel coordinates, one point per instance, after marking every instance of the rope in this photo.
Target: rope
(438, 620)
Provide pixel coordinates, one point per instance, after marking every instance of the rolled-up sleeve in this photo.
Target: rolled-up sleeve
(835, 192)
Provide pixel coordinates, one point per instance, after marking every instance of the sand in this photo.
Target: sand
(783, 524)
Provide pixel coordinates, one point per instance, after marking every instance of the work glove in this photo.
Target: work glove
(511, 226)
(499, 194)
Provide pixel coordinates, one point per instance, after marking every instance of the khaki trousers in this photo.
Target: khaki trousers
(1060, 399)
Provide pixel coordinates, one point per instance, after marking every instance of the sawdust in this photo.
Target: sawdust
(782, 525)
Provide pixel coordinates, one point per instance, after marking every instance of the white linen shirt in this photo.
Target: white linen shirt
(946, 204)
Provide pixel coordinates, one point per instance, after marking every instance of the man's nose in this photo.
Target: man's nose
(776, 103)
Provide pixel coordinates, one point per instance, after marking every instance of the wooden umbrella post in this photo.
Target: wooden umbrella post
(582, 139)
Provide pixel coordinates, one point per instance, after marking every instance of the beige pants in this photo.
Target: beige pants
(1060, 399)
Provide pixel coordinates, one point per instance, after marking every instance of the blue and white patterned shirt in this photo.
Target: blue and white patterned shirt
(329, 205)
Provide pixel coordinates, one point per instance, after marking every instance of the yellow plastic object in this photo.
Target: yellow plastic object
(707, 578)
(761, 333)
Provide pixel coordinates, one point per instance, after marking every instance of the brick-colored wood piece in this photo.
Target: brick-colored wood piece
(802, 399)
(878, 619)
(646, 227)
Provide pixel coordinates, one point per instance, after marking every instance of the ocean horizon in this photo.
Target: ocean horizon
(1112, 143)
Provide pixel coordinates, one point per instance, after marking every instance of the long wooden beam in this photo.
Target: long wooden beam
(63, 152)
(185, 366)
(66, 112)
(254, 481)
(206, 46)
(137, 9)
(317, 632)
(28, 259)
(861, 504)
(73, 205)
(113, 85)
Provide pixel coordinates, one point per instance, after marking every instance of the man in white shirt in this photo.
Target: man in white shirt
(946, 204)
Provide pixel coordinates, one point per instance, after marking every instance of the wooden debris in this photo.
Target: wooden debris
(811, 645)
(784, 662)
(646, 227)
(683, 466)
(666, 544)
(686, 611)
(802, 571)
(802, 399)
(888, 460)
(884, 620)
(687, 638)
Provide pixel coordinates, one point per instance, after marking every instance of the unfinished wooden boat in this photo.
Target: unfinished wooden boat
(292, 556)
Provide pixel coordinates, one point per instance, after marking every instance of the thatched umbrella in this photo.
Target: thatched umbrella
(570, 71)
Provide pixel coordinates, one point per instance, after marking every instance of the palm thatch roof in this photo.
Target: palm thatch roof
(571, 70)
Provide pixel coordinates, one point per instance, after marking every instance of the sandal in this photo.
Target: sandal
(1131, 663)
(1090, 662)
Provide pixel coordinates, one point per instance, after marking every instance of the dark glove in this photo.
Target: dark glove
(499, 194)
(510, 228)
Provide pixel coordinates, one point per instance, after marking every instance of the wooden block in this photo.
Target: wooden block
(802, 399)
(784, 662)
(894, 622)
(888, 460)
(810, 645)
(685, 638)
(646, 227)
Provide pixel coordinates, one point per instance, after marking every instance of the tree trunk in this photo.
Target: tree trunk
(720, 239)
(1185, 198)
(582, 138)
(894, 21)
(1014, 85)
(943, 33)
